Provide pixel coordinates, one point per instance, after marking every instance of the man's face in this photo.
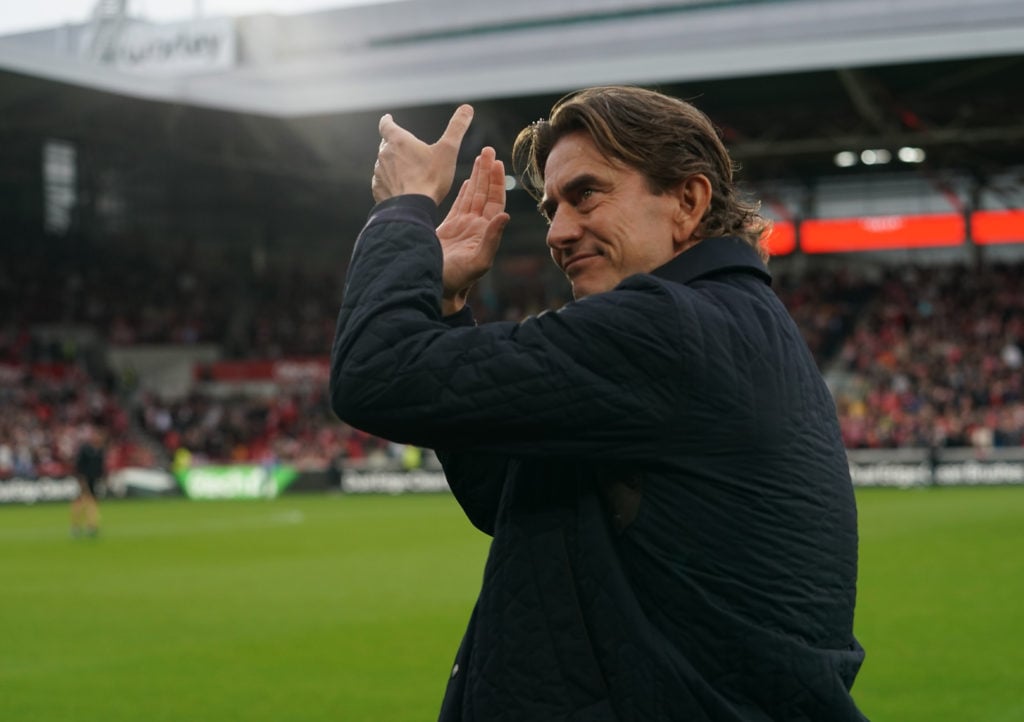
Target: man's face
(605, 223)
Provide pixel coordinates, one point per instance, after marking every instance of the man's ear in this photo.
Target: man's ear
(694, 196)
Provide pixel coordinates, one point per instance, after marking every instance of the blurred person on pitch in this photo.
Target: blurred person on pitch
(659, 461)
(90, 467)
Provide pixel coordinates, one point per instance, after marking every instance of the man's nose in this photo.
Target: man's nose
(564, 229)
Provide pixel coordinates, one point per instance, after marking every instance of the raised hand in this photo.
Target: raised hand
(405, 164)
(471, 232)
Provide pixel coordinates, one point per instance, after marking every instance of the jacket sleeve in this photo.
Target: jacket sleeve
(476, 480)
(598, 377)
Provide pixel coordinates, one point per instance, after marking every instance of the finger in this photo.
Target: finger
(384, 125)
(497, 177)
(391, 132)
(478, 179)
(378, 189)
(457, 126)
(495, 201)
(499, 222)
(487, 171)
(462, 199)
(492, 236)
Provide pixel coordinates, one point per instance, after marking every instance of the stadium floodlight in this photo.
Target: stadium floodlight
(875, 156)
(908, 154)
(845, 159)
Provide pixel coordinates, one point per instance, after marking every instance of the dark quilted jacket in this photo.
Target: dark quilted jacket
(660, 467)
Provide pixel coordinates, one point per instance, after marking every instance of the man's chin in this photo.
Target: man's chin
(582, 289)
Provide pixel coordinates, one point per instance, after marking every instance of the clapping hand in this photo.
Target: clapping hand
(405, 164)
(471, 232)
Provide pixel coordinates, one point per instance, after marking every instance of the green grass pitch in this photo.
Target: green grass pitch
(351, 608)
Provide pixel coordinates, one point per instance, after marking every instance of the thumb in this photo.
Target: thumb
(385, 124)
(496, 227)
(457, 126)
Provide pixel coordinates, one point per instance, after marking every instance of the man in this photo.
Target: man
(90, 465)
(659, 461)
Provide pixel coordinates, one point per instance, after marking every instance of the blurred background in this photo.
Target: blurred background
(181, 189)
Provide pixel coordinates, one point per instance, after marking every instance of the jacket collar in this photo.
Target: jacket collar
(712, 256)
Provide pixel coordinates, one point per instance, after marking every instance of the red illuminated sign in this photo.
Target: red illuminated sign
(836, 235)
(781, 239)
(988, 227)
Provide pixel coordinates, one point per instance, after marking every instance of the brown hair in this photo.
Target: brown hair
(666, 139)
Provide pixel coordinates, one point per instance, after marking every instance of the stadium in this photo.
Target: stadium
(180, 203)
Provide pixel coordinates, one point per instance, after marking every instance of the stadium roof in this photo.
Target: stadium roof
(416, 52)
(284, 115)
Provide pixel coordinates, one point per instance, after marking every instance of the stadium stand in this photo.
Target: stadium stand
(220, 232)
(935, 359)
(919, 356)
(48, 408)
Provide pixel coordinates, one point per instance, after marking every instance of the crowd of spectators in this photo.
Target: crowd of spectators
(47, 411)
(935, 360)
(824, 305)
(294, 426)
(131, 296)
(290, 313)
(924, 356)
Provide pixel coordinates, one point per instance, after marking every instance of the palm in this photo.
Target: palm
(471, 231)
(465, 245)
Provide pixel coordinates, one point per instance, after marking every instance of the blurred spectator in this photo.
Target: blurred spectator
(90, 469)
